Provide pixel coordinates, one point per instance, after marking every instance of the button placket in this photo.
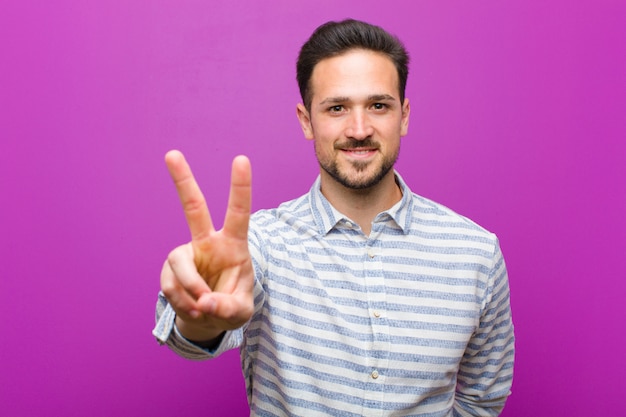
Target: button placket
(375, 276)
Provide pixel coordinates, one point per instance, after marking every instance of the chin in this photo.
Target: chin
(361, 180)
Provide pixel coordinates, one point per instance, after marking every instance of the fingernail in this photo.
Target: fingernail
(194, 314)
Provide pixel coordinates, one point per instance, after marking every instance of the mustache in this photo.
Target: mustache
(368, 143)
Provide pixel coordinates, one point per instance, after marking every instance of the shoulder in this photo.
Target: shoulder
(296, 207)
(436, 219)
(291, 215)
(418, 213)
(429, 209)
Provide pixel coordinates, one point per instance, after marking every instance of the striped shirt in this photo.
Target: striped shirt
(413, 319)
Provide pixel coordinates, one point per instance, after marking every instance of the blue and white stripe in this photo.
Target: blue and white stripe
(413, 319)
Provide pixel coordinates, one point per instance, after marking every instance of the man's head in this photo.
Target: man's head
(352, 77)
(335, 38)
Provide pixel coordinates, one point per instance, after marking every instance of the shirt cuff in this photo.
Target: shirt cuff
(167, 333)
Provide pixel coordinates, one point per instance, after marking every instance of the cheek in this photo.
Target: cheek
(321, 149)
(323, 138)
(397, 131)
(326, 129)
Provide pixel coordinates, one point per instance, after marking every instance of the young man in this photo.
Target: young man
(360, 297)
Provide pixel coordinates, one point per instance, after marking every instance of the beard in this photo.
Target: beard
(349, 179)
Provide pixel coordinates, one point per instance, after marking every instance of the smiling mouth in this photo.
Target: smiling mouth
(359, 151)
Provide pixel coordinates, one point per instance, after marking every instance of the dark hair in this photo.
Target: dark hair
(335, 38)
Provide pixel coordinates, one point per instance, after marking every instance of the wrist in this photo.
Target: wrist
(200, 335)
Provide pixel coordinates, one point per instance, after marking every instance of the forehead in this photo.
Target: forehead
(354, 73)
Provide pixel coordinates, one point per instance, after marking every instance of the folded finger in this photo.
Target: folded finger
(233, 311)
(181, 301)
(184, 272)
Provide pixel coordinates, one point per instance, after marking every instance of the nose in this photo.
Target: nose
(359, 126)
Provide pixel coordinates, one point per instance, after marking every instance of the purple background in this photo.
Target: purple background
(517, 122)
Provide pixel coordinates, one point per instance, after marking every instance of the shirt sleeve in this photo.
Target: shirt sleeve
(167, 333)
(486, 370)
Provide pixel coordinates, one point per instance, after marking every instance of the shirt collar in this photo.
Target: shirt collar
(326, 216)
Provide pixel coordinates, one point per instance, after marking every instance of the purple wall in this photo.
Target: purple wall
(517, 122)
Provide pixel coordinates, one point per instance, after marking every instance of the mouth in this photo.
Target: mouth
(359, 155)
(359, 152)
(363, 148)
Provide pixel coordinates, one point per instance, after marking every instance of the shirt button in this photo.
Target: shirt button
(371, 253)
(377, 314)
(375, 375)
(348, 224)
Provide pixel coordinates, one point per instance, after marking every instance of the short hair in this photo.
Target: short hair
(335, 38)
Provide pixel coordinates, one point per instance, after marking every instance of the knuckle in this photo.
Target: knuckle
(194, 204)
(177, 255)
(169, 288)
(173, 256)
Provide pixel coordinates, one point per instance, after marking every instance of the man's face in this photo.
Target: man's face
(356, 118)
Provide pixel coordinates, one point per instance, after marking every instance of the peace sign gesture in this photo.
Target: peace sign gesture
(209, 281)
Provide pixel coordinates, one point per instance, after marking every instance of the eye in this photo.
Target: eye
(335, 109)
(379, 106)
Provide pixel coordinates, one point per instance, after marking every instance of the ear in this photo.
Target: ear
(404, 123)
(305, 121)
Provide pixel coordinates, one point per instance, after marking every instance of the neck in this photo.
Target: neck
(362, 205)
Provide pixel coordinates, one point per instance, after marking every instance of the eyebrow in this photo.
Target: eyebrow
(343, 99)
(334, 100)
(381, 97)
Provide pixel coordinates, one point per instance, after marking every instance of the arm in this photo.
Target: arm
(208, 282)
(486, 371)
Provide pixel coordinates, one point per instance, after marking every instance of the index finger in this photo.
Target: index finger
(191, 197)
(239, 199)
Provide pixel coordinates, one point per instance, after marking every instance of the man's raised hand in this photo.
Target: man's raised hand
(209, 281)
